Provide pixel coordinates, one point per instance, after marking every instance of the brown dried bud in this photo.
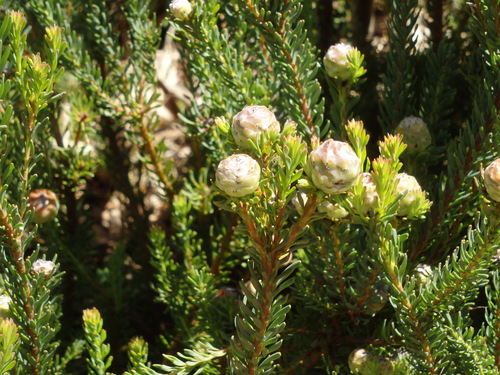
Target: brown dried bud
(45, 204)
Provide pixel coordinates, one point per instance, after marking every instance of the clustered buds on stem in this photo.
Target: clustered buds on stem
(181, 8)
(491, 178)
(251, 122)
(238, 175)
(415, 133)
(45, 204)
(336, 61)
(334, 166)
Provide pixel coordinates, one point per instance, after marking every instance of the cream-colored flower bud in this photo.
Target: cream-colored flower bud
(422, 273)
(45, 203)
(299, 201)
(5, 302)
(238, 175)
(333, 211)
(415, 133)
(251, 122)
(43, 266)
(357, 360)
(491, 178)
(336, 61)
(181, 8)
(405, 182)
(370, 196)
(333, 166)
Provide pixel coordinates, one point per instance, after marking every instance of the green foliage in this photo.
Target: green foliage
(173, 275)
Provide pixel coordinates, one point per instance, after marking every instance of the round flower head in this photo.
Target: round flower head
(238, 175)
(405, 182)
(336, 61)
(491, 178)
(252, 121)
(181, 8)
(357, 360)
(43, 266)
(422, 273)
(370, 197)
(333, 166)
(415, 133)
(45, 203)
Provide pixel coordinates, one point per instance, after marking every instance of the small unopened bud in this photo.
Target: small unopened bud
(336, 61)
(251, 122)
(422, 273)
(414, 194)
(357, 360)
(45, 204)
(491, 178)
(383, 365)
(333, 211)
(238, 175)
(370, 195)
(333, 166)
(415, 133)
(5, 302)
(43, 266)
(299, 201)
(377, 300)
(181, 8)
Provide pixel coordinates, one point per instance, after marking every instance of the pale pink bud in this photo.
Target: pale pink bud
(336, 61)
(45, 203)
(415, 133)
(181, 8)
(333, 166)
(491, 178)
(238, 175)
(43, 266)
(251, 122)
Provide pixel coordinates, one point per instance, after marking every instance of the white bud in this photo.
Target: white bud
(43, 266)
(299, 201)
(415, 133)
(357, 360)
(238, 175)
(333, 166)
(181, 8)
(491, 178)
(370, 195)
(405, 182)
(333, 211)
(251, 122)
(422, 273)
(336, 61)
(5, 302)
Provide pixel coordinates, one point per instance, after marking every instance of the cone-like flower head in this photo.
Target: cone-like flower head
(238, 175)
(415, 133)
(252, 121)
(336, 61)
(333, 166)
(413, 196)
(45, 203)
(181, 8)
(491, 178)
